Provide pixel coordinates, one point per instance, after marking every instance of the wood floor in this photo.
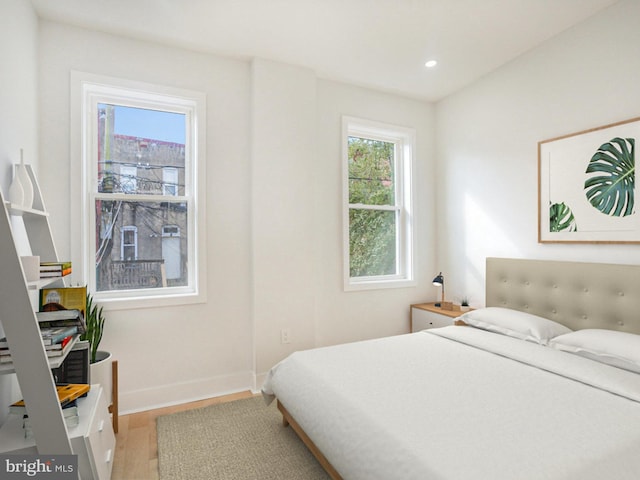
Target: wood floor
(136, 455)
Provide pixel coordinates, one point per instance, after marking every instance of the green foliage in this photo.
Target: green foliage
(371, 171)
(372, 243)
(372, 233)
(611, 191)
(95, 325)
(561, 218)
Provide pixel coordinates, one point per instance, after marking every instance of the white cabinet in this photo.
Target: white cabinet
(426, 315)
(92, 439)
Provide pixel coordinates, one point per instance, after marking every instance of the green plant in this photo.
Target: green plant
(94, 320)
(464, 301)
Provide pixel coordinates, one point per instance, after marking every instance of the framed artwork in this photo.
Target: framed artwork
(587, 188)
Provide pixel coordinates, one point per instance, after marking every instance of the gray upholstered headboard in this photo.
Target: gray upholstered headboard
(578, 295)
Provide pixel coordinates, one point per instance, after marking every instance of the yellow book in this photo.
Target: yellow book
(66, 393)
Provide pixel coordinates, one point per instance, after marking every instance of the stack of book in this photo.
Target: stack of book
(67, 395)
(69, 411)
(54, 269)
(57, 329)
(62, 318)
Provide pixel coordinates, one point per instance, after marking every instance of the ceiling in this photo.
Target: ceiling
(382, 44)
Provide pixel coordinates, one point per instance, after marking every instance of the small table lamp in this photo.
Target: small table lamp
(439, 282)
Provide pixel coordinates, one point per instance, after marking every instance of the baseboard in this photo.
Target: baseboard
(259, 381)
(177, 393)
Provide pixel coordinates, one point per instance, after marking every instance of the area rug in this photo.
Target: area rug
(239, 440)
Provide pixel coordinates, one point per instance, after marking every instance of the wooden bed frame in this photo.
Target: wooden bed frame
(287, 420)
(578, 295)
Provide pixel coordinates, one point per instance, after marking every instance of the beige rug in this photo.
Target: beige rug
(240, 440)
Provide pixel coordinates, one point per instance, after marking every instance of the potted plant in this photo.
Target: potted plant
(100, 361)
(464, 304)
(94, 319)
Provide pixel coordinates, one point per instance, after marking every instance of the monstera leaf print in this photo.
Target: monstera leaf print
(611, 189)
(561, 218)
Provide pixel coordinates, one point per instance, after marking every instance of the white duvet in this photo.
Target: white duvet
(461, 403)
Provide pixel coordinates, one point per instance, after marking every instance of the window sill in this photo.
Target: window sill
(351, 286)
(166, 299)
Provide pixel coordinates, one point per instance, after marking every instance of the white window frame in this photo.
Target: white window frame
(404, 140)
(128, 178)
(170, 181)
(88, 90)
(123, 234)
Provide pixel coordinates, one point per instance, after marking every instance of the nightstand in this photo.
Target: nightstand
(427, 315)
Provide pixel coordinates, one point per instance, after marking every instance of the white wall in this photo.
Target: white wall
(487, 138)
(18, 87)
(341, 317)
(18, 115)
(282, 191)
(273, 215)
(167, 354)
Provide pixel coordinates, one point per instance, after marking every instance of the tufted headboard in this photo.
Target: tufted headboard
(578, 295)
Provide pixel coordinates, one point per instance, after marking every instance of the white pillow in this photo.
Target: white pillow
(619, 349)
(515, 324)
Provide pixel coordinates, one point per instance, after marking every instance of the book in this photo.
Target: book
(62, 318)
(5, 356)
(70, 421)
(68, 410)
(59, 347)
(54, 274)
(53, 335)
(55, 315)
(52, 351)
(67, 393)
(64, 298)
(54, 266)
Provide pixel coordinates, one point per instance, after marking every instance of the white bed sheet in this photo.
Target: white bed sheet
(450, 404)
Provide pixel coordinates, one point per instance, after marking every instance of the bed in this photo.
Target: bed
(544, 383)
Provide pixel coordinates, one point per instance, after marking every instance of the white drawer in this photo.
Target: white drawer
(102, 441)
(423, 319)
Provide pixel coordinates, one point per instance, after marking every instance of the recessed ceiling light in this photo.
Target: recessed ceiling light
(431, 63)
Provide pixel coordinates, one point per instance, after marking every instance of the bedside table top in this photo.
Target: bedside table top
(431, 307)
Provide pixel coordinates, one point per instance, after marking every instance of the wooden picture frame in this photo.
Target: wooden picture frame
(587, 188)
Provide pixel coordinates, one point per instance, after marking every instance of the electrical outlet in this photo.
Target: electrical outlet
(285, 335)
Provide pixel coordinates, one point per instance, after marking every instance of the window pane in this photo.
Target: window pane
(170, 181)
(140, 262)
(129, 237)
(372, 243)
(136, 146)
(371, 175)
(128, 179)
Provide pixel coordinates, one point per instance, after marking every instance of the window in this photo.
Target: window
(170, 181)
(378, 234)
(142, 151)
(129, 243)
(128, 178)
